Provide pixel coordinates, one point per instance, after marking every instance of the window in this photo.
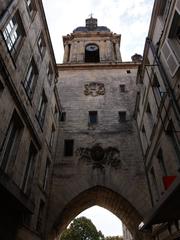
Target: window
(63, 117)
(42, 109)
(122, 87)
(149, 116)
(3, 75)
(49, 74)
(144, 140)
(51, 141)
(29, 170)
(155, 82)
(41, 45)
(143, 130)
(92, 53)
(148, 109)
(11, 142)
(173, 138)
(170, 48)
(161, 162)
(31, 79)
(156, 85)
(68, 147)
(138, 97)
(31, 7)
(40, 217)
(178, 34)
(175, 28)
(128, 71)
(93, 117)
(1, 87)
(46, 175)
(154, 184)
(13, 32)
(122, 116)
(56, 112)
(144, 94)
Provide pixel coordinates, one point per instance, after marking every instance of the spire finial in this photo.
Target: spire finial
(91, 15)
(91, 23)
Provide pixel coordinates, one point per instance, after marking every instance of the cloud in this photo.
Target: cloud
(129, 18)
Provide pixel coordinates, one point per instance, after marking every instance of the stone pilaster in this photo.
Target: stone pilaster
(117, 49)
(66, 53)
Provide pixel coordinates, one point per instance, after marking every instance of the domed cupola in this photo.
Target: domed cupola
(92, 44)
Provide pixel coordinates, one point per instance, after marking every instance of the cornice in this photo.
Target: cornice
(72, 36)
(96, 66)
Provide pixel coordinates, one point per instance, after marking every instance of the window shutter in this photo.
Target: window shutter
(170, 58)
(178, 6)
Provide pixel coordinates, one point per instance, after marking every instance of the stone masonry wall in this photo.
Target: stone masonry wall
(121, 167)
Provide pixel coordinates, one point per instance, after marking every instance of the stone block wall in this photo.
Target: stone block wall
(105, 154)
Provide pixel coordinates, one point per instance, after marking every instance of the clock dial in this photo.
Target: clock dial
(92, 47)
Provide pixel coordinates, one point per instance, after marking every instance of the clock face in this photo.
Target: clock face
(92, 47)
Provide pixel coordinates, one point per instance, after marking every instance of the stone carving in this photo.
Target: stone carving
(99, 157)
(94, 89)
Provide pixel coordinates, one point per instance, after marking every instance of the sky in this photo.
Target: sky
(130, 18)
(104, 220)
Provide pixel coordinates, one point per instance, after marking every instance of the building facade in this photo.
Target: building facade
(158, 115)
(98, 152)
(29, 108)
(112, 141)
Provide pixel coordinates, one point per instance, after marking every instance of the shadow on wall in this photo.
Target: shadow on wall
(105, 198)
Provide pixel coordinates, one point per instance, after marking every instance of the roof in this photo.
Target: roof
(97, 29)
(92, 26)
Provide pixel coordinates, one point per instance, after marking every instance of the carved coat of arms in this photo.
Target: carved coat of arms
(94, 89)
(99, 157)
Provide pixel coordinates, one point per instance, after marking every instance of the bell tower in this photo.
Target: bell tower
(92, 44)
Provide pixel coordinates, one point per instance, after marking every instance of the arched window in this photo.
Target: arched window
(92, 53)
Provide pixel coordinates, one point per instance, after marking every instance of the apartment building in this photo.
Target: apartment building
(29, 109)
(158, 118)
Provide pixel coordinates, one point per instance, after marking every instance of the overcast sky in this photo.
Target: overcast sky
(130, 18)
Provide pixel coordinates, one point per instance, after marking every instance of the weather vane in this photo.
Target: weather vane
(91, 15)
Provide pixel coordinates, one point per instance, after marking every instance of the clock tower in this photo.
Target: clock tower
(92, 43)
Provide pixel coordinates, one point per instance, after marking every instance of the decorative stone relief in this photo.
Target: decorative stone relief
(94, 89)
(100, 157)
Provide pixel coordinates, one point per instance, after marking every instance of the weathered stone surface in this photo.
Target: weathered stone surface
(77, 174)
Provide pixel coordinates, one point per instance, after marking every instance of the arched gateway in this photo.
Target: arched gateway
(105, 198)
(98, 157)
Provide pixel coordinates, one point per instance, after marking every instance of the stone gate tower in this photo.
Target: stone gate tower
(98, 156)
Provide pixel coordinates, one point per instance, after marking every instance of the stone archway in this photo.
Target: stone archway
(105, 198)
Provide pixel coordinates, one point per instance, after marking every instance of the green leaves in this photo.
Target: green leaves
(82, 229)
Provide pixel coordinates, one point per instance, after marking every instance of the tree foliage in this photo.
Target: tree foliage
(114, 238)
(82, 229)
